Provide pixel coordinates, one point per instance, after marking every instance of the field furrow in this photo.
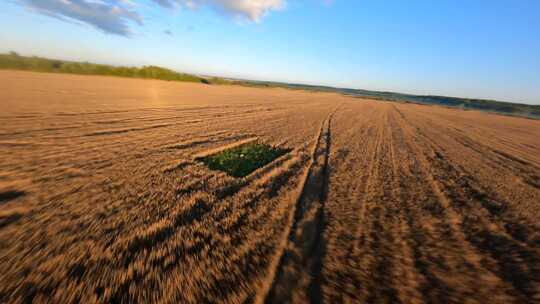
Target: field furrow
(104, 197)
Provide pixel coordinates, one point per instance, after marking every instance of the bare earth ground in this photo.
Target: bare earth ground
(379, 202)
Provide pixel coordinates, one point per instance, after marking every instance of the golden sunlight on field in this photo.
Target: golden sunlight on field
(102, 198)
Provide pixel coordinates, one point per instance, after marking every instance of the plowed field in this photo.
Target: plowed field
(102, 198)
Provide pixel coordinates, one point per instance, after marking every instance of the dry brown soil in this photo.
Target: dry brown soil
(378, 202)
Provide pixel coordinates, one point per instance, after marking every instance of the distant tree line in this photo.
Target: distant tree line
(17, 62)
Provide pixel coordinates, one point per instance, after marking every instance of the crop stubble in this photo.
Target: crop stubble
(101, 199)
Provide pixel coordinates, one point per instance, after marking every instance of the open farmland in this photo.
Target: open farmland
(102, 198)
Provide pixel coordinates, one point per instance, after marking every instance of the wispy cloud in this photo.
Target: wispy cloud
(253, 10)
(111, 16)
(117, 16)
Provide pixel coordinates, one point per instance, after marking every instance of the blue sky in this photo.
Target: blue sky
(480, 49)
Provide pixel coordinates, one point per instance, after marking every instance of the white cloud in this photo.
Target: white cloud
(116, 16)
(111, 16)
(253, 10)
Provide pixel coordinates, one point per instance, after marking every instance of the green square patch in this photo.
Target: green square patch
(240, 161)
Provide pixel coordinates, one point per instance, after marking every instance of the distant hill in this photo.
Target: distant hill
(494, 106)
(39, 64)
(531, 111)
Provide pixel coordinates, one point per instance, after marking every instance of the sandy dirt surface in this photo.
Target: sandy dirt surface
(102, 200)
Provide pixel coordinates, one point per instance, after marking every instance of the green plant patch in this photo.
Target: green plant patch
(244, 159)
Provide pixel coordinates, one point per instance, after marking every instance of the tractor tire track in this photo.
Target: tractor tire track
(300, 259)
